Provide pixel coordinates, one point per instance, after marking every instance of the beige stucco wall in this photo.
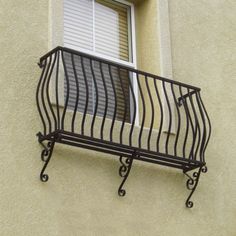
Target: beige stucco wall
(203, 36)
(81, 195)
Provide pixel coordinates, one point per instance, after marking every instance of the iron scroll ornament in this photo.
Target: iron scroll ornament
(124, 171)
(192, 183)
(46, 155)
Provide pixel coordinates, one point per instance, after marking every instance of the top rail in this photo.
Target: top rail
(60, 48)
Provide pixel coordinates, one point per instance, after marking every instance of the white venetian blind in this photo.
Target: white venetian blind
(78, 24)
(100, 26)
(111, 29)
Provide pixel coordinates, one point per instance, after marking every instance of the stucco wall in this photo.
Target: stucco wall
(203, 36)
(81, 195)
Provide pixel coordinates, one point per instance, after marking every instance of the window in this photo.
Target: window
(100, 27)
(103, 28)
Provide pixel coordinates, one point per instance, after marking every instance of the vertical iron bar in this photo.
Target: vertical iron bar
(77, 94)
(115, 100)
(106, 100)
(87, 95)
(152, 109)
(47, 91)
(134, 111)
(179, 120)
(56, 88)
(125, 111)
(209, 123)
(197, 128)
(161, 121)
(144, 112)
(37, 96)
(67, 90)
(42, 95)
(191, 125)
(97, 97)
(204, 129)
(187, 122)
(170, 117)
(199, 136)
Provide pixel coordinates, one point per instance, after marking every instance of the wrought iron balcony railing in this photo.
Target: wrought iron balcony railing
(92, 103)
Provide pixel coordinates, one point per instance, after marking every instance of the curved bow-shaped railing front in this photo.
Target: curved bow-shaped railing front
(90, 102)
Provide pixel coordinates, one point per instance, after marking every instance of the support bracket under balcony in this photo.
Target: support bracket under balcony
(46, 155)
(192, 183)
(124, 170)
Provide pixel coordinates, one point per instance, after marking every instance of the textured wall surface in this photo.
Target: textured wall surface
(203, 36)
(81, 195)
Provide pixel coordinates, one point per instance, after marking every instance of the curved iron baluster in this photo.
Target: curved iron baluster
(124, 172)
(170, 117)
(183, 102)
(77, 93)
(46, 155)
(87, 95)
(115, 101)
(193, 137)
(56, 90)
(48, 99)
(96, 97)
(40, 110)
(106, 101)
(134, 108)
(143, 111)
(65, 67)
(197, 130)
(192, 183)
(48, 126)
(209, 125)
(161, 115)
(125, 105)
(179, 119)
(152, 112)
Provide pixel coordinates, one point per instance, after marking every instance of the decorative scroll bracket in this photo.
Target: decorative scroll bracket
(192, 183)
(124, 171)
(46, 155)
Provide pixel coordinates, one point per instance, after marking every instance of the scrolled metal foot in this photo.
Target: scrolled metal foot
(45, 157)
(192, 183)
(204, 169)
(124, 173)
